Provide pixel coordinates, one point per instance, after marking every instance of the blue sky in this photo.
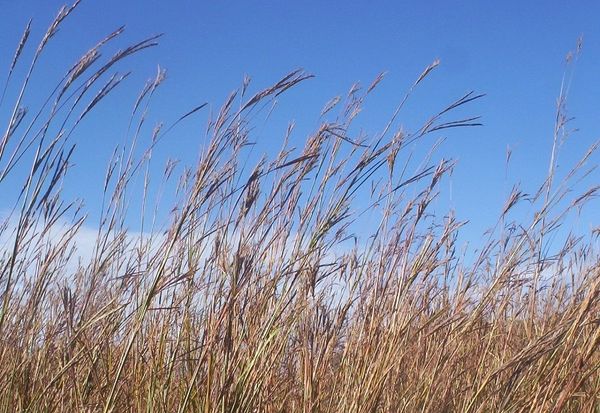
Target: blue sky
(512, 51)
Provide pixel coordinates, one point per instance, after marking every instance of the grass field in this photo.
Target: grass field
(257, 296)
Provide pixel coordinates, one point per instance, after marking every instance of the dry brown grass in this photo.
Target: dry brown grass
(252, 300)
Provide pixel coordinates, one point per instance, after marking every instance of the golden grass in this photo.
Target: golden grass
(252, 299)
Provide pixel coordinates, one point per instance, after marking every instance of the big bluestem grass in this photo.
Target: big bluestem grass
(258, 295)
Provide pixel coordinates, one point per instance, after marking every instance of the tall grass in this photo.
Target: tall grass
(263, 293)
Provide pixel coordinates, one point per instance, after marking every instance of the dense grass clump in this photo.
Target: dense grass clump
(258, 295)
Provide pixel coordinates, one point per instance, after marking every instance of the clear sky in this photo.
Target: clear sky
(513, 51)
